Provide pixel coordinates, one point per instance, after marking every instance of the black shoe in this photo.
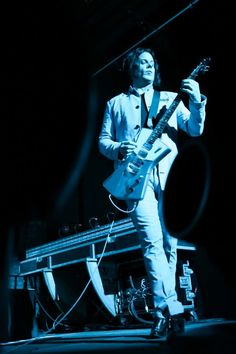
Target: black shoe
(159, 328)
(176, 325)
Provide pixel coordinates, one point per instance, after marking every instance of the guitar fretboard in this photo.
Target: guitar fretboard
(157, 132)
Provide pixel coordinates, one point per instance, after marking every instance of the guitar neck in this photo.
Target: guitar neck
(157, 132)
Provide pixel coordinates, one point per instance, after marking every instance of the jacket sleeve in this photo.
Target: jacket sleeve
(106, 141)
(192, 122)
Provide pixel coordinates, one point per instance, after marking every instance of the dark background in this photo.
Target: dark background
(60, 64)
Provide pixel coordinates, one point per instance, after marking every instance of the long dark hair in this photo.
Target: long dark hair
(133, 55)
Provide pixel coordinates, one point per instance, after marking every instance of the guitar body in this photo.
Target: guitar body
(125, 182)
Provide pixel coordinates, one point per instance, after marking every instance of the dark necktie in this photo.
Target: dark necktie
(144, 112)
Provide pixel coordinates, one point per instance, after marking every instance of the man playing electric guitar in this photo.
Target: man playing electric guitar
(126, 116)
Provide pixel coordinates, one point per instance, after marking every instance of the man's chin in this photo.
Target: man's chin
(147, 80)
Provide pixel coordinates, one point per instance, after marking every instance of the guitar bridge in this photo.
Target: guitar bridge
(136, 182)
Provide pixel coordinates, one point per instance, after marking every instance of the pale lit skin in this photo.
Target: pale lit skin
(143, 75)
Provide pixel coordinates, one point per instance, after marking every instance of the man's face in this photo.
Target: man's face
(144, 70)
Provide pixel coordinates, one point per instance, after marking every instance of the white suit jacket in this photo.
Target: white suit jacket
(122, 121)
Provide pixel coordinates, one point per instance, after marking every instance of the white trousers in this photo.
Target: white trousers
(159, 249)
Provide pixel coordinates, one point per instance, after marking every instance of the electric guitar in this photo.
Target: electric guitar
(129, 180)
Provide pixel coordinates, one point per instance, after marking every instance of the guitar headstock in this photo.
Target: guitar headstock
(202, 67)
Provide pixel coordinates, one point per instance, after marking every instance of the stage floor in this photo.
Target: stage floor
(202, 336)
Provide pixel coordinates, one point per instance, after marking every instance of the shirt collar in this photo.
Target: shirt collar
(139, 91)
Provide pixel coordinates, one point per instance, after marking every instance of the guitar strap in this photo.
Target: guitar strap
(148, 121)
